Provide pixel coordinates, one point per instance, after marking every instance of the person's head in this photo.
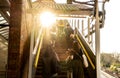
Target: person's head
(72, 36)
(76, 46)
(68, 25)
(70, 51)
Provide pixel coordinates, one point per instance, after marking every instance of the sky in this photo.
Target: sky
(110, 38)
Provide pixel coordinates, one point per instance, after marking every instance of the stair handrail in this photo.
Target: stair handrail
(34, 51)
(89, 54)
(38, 51)
(84, 50)
(85, 46)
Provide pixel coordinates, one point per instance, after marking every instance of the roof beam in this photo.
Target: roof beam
(5, 15)
(4, 25)
(4, 7)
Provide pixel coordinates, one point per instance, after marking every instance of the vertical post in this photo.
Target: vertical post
(92, 37)
(97, 40)
(14, 53)
(31, 51)
(83, 27)
(88, 30)
(78, 24)
(72, 23)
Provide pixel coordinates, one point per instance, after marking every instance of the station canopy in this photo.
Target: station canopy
(4, 20)
(70, 10)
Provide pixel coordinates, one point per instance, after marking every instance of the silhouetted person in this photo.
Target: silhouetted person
(60, 27)
(68, 32)
(53, 34)
(49, 61)
(76, 63)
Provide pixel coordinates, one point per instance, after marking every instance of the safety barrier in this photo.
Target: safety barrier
(106, 75)
(35, 52)
(93, 66)
(38, 51)
(89, 54)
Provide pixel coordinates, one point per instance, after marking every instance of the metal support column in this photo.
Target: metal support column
(88, 30)
(30, 72)
(83, 27)
(97, 40)
(92, 38)
(78, 24)
(72, 23)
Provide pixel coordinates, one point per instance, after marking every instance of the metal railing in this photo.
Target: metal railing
(89, 59)
(88, 52)
(34, 52)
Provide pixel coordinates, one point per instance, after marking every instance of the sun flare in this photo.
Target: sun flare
(47, 19)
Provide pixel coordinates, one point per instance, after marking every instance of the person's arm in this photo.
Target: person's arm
(85, 62)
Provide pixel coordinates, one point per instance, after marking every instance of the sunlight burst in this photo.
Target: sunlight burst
(47, 19)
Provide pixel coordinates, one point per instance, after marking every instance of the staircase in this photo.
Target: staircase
(60, 49)
(39, 69)
(63, 72)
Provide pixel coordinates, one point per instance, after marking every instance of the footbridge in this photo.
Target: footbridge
(24, 26)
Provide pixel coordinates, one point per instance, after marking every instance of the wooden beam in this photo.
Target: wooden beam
(4, 25)
(5, 15)
(19, 32)
(14, 56)
(4, 7)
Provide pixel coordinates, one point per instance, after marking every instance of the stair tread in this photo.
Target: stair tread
(60, 49)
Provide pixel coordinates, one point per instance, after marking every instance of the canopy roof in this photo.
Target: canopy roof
(66, 9)
(4, 19)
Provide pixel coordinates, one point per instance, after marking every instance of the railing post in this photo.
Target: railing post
(88, 30)
(31, 52)
(78, 24)
(97, 40)
(83, 28)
